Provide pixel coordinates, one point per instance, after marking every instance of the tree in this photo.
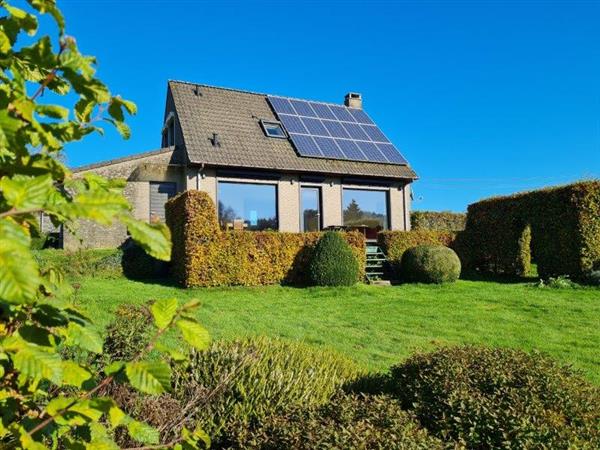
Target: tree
(46, 399)
(353, 214)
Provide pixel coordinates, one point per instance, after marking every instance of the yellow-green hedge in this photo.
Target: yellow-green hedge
(437, 220)
(558, 227)
(203, 255)
(395, 243)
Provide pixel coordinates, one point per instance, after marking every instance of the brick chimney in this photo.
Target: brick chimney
(353, 100)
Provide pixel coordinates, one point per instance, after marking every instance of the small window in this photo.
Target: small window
(273, 129)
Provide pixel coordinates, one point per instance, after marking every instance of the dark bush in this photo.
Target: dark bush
(499, 398)
(593, 278)
(430, 264)
(139, 265)
(346, 422)
(237, 384)
(333, 263)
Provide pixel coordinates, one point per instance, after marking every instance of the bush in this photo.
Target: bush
(499, 398)
(561, 225)
(139, 265)
(203, 255)
(395, 243)
(437, 221)
(346, 422)
(430, 264)
(333, 263)
(82, 263)
(129, 332)
(238, 384)
(593, 278)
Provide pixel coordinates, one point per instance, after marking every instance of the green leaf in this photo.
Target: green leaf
(154, 238)
(143, 432)
(114, 367)
(116, 416)
(23, 192)
(84, 337)
(74, 374)
(149, 377)
(163, 312)
(194, 334)
(33, 362)
(53, 111)
(19, 275)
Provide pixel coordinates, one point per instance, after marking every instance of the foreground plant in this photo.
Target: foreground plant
(47, 399)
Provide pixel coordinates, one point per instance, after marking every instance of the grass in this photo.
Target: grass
(380, 325)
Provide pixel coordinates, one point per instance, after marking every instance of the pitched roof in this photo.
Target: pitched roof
(235, 116)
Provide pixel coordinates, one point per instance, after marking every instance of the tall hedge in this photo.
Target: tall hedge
(204, 255)
(395, 243)
(437, 221)
(558, 227)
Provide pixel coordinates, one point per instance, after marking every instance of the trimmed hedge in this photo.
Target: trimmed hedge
(430, 264)
(437, 221)
(558, 227)
(333, 263)
(395, 243)
(203, 255)
(346, 422)
(499, 398)
(82, 263)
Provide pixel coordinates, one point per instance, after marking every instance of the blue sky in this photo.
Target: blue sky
(482, 98)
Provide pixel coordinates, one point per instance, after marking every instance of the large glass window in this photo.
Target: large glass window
(311, 208)
(246, 206)
(366, 209)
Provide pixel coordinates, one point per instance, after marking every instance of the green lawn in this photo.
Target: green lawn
(380, 325)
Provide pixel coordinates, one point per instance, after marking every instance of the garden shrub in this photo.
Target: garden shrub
(430, 264)
(346, 422)
(82, 263)
(129, 332)
(395, 243)
(592, 278)
(437, 221)
(499, 398)
(139, 265)
(238, 384)
(203, 255)
(333, 263)
(561, 225)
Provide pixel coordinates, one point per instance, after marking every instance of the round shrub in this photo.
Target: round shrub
(430, 264)
(346, 422)
(139, 265)
(247, 381)
(499, 398)
(333, 263)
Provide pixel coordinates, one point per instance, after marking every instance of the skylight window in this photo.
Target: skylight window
(273, 129)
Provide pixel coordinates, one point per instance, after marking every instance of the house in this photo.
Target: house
(268, 162)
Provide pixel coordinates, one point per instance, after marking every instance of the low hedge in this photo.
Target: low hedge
(437, 221)
(203, 255)
(499, 398)
(558, 227)
(82, 263)
(346, 422)
(395, 243)
(333, 263)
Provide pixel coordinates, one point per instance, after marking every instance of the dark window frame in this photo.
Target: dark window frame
(265, 123)
(244, 182)
(388, 221)
(320, 200)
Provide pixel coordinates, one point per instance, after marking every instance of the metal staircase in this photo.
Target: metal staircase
(376, 259)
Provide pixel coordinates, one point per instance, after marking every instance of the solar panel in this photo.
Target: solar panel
(329, 148)
(323, 130)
